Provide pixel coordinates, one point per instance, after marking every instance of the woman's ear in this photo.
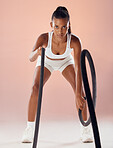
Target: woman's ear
(51, 24)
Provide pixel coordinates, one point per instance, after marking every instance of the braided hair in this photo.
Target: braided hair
(61, 12)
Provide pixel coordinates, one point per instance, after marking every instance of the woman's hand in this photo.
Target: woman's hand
(80, 102)
(34, 54)
(39, 50)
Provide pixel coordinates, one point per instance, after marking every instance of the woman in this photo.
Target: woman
(58, 46)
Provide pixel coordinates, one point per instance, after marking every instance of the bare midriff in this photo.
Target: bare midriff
(55, 59)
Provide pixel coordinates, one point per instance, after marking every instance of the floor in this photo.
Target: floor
(54, 134)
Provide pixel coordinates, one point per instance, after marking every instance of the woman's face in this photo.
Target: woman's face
(60, 27)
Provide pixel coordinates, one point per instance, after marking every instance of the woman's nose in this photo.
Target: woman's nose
(60, 31)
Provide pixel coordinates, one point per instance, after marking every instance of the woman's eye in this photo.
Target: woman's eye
(64, 27)
(56, 26)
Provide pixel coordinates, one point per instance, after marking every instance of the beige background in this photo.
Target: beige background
(21, 22)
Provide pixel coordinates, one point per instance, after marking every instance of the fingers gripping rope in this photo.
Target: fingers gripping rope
(39, 100)
(91, 103)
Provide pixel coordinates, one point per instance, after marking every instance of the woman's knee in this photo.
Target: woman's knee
(35, 87)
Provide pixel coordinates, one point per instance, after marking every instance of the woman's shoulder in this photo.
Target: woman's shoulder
(43, 36)
(74, 39)
(43, 39)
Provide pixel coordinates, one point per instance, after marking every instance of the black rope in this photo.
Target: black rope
(94, 90)
(39, 100)
(91, 103)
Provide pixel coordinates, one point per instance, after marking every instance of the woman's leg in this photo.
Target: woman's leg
(69, 74)
(32, 107)
(85, 132)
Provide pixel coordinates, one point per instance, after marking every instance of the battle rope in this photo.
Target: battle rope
(39, 99)
(91, 103)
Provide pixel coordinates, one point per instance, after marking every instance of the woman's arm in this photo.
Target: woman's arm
(77, 53)
(37, 47)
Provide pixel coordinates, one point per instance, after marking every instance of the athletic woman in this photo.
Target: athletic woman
(58, 44)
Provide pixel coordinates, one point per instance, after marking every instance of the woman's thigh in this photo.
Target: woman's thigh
(69, 75)
(36, 77)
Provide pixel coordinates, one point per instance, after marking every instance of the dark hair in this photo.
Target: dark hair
(61, 12)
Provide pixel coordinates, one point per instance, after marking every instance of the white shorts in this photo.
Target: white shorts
(53, 65)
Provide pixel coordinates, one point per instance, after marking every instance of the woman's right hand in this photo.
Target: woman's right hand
(34, 54)
(39, 50)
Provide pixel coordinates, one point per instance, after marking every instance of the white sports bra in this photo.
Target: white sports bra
(50, 54)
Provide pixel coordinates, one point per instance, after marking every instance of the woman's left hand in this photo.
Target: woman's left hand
(80, 102)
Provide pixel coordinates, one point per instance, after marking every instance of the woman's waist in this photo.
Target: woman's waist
(69, 57)
(55, 62)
